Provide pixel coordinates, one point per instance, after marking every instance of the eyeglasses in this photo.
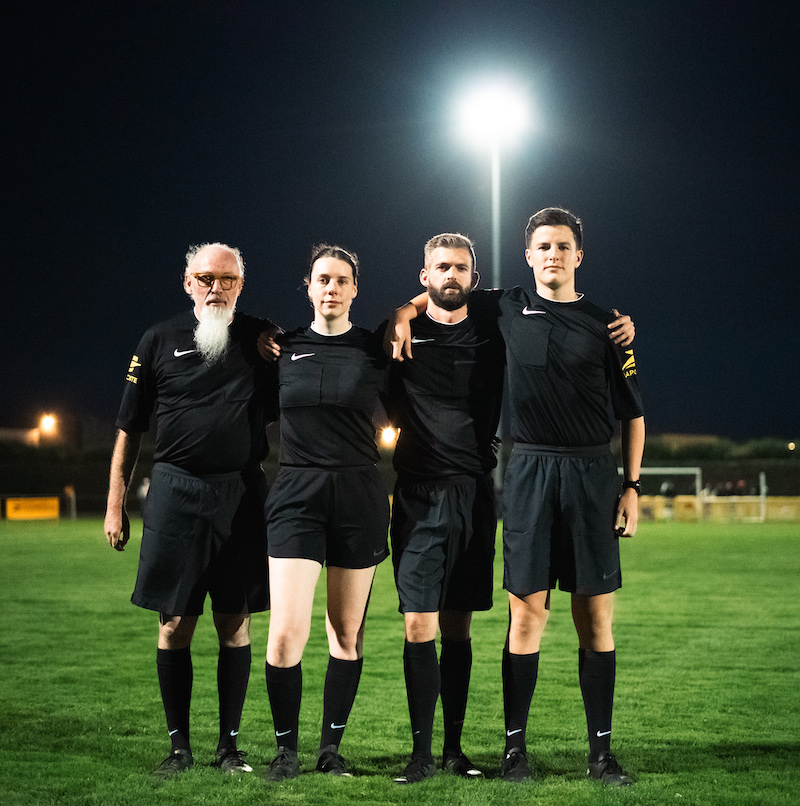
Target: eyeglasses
(226, 281)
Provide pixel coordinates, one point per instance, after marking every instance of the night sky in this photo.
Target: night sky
(135, 129)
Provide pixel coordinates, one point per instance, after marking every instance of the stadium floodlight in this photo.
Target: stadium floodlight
(494, 115)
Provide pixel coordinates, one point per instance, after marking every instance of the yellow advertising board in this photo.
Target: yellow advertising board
(30, 509)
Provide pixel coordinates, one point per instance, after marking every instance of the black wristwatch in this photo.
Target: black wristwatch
(633, 485)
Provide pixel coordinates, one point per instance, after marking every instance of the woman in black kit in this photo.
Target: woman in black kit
(328, 506)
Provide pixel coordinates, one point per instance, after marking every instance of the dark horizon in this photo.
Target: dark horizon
(139, 129)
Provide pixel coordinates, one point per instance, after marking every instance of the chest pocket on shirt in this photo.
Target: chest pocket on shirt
(440, 373)
(301, 383)
(585, 349)
(354, 385)
(530, 337)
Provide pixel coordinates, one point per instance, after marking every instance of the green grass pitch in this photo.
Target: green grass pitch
(707, 707)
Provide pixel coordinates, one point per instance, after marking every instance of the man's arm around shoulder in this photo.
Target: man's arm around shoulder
(397, 337)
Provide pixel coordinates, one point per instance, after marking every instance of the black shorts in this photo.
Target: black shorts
(558, 527)
(203, 536)
(337, 517)
(443, 537)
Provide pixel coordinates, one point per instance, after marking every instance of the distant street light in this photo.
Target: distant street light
(47, 425)
(389, 437)
(492, 116)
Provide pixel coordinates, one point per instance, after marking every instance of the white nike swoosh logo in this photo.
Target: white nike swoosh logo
(298, 356)
(415, 340)
(337, 727)
(173, 732)
(512, 732)
(527, 311)
(282, 732)
(179, 353)
(603, 733)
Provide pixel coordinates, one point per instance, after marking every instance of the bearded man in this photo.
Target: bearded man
(446, 402)
(204, 530)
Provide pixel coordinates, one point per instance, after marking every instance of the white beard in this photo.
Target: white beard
(211, 334)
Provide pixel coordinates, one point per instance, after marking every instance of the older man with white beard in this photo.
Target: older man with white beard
(204, 530)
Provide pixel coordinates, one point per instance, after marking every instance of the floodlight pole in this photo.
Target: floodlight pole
(496, 275)
(499, 470)
(493, 114)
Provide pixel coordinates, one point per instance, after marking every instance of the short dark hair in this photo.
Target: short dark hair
(555, 217)
(331, 250)
(451, 240)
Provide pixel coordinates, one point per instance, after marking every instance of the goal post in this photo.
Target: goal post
(679, 494)
(674, 500)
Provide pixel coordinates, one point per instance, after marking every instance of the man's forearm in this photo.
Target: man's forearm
(123, 462)
(414, 307)
(632, 439)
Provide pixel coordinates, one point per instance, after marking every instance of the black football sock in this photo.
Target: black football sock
(175, 681)
(285, 690)
(519, 683)
(233, 675)
(423, 682)
(597, 672)
(341, 685)
(455, 665)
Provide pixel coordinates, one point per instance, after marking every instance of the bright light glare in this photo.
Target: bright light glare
(792, 446)
(493, 115)
(389, 437)
(48, 424)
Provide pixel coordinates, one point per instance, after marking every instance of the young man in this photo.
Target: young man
(446, 403)
(204, 528)
(477, 404)
(563, 510)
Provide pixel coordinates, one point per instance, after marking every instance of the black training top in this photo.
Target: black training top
(446, 400)
(567, 379)
(329, 389)
(210, 418)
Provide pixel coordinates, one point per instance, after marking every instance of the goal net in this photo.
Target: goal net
(678, 493)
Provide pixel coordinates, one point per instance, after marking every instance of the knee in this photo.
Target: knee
(283, 653)
(175, 632)
(593, 618)
(597, 637)
(233, 631)
(455, 625)
(526, 627)
(421, 627)
(285, 648)
(346, 644)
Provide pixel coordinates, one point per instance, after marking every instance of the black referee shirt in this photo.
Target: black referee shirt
(567, 379)
(329, 390)
(209, 418)
(446, 400)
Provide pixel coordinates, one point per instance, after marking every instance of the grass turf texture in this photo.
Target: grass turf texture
(706, 711)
